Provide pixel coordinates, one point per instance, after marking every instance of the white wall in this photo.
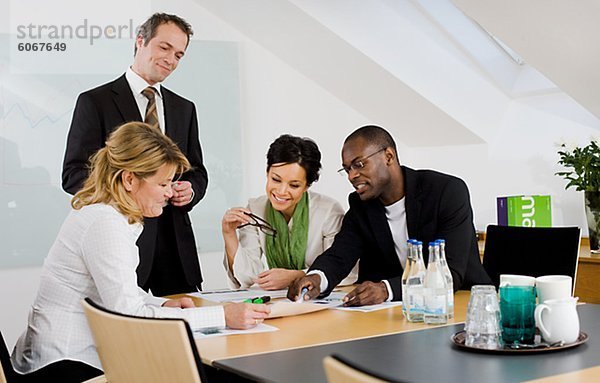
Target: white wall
(521, 159)
(275, 100)
(519, 156)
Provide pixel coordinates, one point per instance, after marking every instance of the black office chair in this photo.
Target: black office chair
(340, 370)
(533, 251)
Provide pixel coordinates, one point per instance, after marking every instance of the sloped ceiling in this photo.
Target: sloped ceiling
(342, 70)
(560, 38)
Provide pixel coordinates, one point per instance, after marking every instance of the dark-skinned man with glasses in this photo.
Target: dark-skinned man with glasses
(391, 204)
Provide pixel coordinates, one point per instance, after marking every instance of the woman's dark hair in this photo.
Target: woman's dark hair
(288, 149)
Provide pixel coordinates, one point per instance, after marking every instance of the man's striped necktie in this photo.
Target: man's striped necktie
(151, 113)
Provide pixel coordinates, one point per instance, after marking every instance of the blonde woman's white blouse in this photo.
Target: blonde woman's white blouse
(94, 256)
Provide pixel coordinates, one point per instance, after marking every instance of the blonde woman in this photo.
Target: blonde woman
(95, 255)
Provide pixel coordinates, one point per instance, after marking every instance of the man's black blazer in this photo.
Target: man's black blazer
(97, 113)
(437, 207)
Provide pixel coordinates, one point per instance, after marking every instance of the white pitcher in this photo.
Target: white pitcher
(557, 320)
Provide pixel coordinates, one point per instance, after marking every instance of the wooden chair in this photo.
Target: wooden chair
(341, 370)
(98, 379)
(533, 251)
(134, 349)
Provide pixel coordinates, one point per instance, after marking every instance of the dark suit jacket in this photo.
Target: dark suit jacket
(97, 113)
(437, 206)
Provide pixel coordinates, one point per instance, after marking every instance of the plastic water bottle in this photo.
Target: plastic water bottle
(448, 276)
(435, 289)
(409, 260)
(414, 286)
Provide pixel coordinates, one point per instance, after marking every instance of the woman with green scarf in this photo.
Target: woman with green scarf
(277, 236)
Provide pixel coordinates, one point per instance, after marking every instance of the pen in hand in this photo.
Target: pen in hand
(348, 300)
(302, 294)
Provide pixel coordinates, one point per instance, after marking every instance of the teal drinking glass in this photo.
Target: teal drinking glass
(517, 306)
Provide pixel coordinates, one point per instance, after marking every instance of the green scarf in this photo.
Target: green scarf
(287, 250)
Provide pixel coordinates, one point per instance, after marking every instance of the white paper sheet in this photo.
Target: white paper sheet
(222, 296)
(287, 308)
(212, 331)
(335, 301)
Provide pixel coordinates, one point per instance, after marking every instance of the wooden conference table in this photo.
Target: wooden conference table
(587, 285)
(384, 341)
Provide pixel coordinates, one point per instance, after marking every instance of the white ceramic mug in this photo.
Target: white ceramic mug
(557, 320)
(553, 287)
(516, 280)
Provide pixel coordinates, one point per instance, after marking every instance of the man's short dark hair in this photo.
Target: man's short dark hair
(375, 135)
(148, 29)
(290, 149)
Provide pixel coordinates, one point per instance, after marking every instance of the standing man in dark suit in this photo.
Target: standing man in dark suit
(167, 248)
(391, 204)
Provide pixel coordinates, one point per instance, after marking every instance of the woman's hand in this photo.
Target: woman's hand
(245, 315)
(233, 218)
(181, 303)
(277, 279)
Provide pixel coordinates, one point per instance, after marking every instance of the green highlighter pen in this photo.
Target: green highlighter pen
(263, 299)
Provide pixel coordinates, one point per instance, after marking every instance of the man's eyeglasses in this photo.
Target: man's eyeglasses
(263, 225)
(358, 164)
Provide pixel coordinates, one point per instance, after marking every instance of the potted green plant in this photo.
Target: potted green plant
(583, 173)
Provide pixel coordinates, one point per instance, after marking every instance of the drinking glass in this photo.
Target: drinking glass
(482, 325)
(517, 305)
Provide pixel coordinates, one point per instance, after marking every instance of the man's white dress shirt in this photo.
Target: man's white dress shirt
(396, 219)
(137, 85)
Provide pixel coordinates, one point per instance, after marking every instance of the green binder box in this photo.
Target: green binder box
(525, 210)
